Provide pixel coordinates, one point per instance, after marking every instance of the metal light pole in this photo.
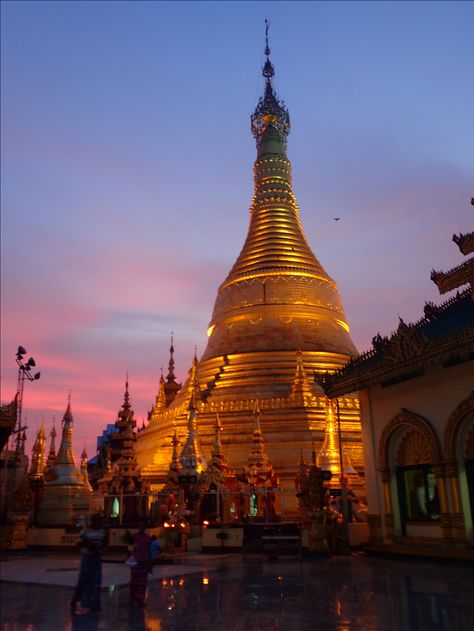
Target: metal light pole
(24, 372)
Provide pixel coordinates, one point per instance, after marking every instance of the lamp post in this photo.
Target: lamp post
(24, 373)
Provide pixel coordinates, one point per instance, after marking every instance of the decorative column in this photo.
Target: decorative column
(445, 515)
(457, 515)
(389, 518)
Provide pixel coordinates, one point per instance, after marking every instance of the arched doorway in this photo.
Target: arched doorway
(409, 458)
(459, 454)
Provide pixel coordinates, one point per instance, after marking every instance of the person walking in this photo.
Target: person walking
(87, 591)
(139, 572)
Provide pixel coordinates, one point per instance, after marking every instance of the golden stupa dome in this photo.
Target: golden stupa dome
(277, 295)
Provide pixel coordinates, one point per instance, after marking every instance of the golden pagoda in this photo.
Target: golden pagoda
(65, 498)
(38, 461)
(277, 318)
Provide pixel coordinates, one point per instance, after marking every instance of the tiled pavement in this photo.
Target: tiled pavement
(206, 593)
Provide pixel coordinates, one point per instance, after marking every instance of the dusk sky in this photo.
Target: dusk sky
(126, 175)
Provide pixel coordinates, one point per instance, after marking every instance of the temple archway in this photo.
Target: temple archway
(458, 447)
(409, 451)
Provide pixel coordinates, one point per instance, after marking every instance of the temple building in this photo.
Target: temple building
(278, 318)
(417, 406)
(111, 443)
(125, 491)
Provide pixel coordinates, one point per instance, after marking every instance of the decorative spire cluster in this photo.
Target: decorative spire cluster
(259, 472)
(269, 111)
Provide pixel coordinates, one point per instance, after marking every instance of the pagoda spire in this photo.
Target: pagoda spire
(217, 445)
(52, 446)
(172, 477)
(257, 457)
(218, 471)
(38, 461)
(328, 457)
(170, 377)
(65, 455)
(84, 473)
(300, 388)
(65, 468)
(125, 416)
(160, 403)
(191, 459)
(171, 387)
(259, 472)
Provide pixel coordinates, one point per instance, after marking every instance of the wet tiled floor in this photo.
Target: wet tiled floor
(227, 594)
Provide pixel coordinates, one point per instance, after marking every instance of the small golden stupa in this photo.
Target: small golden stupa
(277, 318)
(65, 496)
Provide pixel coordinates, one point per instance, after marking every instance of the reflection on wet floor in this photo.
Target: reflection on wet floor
(342, 593)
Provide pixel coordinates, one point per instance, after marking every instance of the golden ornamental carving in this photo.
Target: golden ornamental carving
(413, 450)
(453, 425)
(408, 420)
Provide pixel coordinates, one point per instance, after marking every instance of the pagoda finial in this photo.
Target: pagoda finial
(268, 70)
(126, 398)
(270, 112)
(84, 472)
(171, 376)
(52, 449)
(300, 388)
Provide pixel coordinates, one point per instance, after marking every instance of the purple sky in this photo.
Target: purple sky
(127, 174)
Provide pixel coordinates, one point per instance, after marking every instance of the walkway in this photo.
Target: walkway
(208, 593)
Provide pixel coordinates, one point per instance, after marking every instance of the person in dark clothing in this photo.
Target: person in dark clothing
(87, 591)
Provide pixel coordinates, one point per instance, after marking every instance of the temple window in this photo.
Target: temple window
(418, 494)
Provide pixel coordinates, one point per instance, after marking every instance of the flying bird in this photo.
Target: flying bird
(336, 218)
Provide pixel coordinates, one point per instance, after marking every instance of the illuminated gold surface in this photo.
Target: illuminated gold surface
(65, 497)
(276, 301)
